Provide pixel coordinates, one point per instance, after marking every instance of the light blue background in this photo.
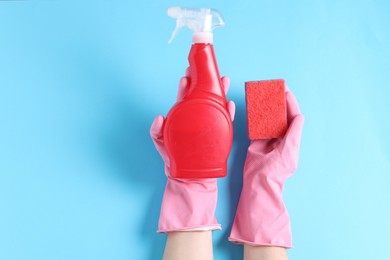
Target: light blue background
(80, 84)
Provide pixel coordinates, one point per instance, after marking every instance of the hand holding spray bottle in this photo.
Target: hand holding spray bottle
(198, 131)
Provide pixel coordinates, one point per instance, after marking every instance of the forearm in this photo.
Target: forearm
(264, 253)
(189, 245)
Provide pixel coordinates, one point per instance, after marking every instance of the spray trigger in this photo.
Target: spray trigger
(177, 28)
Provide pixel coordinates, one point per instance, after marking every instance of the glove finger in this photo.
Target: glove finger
(292, 106)
(286, 88)
(292, 139)
(225, 83)
(156, 134)
(182, 90)
(156, 128)
(231, 106)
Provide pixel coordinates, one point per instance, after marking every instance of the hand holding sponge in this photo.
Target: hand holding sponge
(261, 217)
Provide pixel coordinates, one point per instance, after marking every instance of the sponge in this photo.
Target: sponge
(266, 109)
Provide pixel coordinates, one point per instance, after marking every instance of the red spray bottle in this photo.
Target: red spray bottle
(198, 131)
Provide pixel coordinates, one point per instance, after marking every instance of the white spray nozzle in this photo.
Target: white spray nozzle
(200, 20)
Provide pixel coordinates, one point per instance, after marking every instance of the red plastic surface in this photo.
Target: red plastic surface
(198, 131)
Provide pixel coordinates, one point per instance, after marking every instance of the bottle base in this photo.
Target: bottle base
(199, 174)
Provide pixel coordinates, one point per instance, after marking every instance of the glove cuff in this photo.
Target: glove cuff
(262, 218)
(189, 206)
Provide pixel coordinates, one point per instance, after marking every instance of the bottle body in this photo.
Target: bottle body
(198, 131)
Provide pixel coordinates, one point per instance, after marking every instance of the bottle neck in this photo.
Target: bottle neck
(204, 74)
(202, 37)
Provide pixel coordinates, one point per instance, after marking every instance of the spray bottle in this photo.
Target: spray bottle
(198, 131)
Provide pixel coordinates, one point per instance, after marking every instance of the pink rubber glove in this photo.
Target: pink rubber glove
(188, 204)
(261, 217)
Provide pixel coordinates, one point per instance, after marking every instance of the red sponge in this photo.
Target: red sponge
(266, 109)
